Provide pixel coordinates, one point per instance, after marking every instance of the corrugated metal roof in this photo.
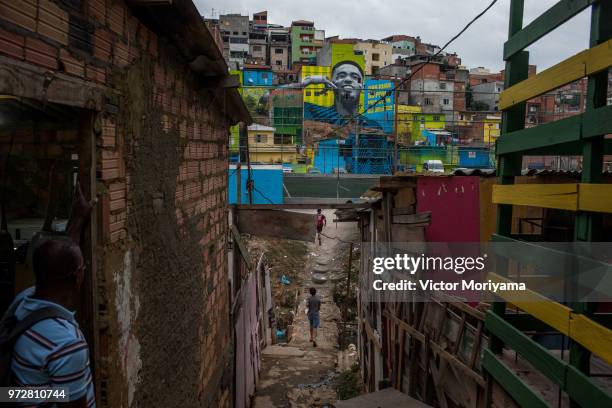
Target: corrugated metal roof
(551, 172)
(463, 171)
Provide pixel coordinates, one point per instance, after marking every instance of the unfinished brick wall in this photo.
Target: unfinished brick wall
(161, 168)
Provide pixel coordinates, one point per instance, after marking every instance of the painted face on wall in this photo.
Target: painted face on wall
(349, 82)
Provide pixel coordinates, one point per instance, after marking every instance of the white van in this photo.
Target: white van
(433, 166)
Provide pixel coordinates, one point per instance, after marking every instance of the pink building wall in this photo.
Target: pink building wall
(454, 203)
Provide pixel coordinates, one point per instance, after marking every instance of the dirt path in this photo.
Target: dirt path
(298, 374)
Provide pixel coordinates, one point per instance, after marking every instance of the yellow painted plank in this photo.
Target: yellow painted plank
(550, 312)
(593, 336)
(595, 197)
(580, 65)
(562, 196)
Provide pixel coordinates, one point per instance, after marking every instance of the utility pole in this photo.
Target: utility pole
(243, 137)
(356, 142)
(395, 103)
(238, 183)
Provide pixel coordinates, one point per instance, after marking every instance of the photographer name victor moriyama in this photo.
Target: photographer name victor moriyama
(459, 265)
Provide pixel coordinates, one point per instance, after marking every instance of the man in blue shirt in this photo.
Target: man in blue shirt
(53, 352)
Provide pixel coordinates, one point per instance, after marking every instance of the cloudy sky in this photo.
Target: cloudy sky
(436, 21)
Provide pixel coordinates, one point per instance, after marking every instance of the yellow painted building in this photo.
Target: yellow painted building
(491, 128)
(265, 146)
(405, 118)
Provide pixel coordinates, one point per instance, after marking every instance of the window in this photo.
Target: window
(283, 139)
(257, 48)
(442, 85)
(261, 138)
(238, 54)
(427, 101)
(375, 56)
(445, 101)
(308, 93)
(235, 33)
(279, 62)
(436, 118)
(422, 119)
(278, 50)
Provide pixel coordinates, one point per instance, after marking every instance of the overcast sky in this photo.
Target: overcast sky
(435, 21)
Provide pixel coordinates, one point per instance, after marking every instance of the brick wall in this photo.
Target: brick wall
(161, 169)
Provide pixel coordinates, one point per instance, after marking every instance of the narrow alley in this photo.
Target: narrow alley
(297, 374)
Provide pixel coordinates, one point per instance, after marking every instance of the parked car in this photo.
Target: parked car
(433, 166)
(313, 170)
(339, 170)
(287, 169)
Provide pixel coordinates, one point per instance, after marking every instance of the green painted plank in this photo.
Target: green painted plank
(584, 391)
(538, 356)
(597, 122)
(578, 386)
(566, 149)
(560, 131)
(523, 394)
(527, 323)
(592, 123)
(545, 23)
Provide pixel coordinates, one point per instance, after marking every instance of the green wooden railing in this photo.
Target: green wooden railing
(579, 135)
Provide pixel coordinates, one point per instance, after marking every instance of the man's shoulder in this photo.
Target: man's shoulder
(49, 336)
(48, 340)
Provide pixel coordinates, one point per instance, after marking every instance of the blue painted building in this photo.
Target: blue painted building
(475, 157)
(327, 156)
(374, 155)
(257, 77)
(381, 112)
(268, 182)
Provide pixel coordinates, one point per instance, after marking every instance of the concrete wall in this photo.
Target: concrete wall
(488, 93)
(161, 300)
(383, 52)
(267, 179)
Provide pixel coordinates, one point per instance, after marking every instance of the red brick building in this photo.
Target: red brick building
(137, 101)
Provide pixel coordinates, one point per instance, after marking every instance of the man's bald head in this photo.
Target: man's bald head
(57, 261)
